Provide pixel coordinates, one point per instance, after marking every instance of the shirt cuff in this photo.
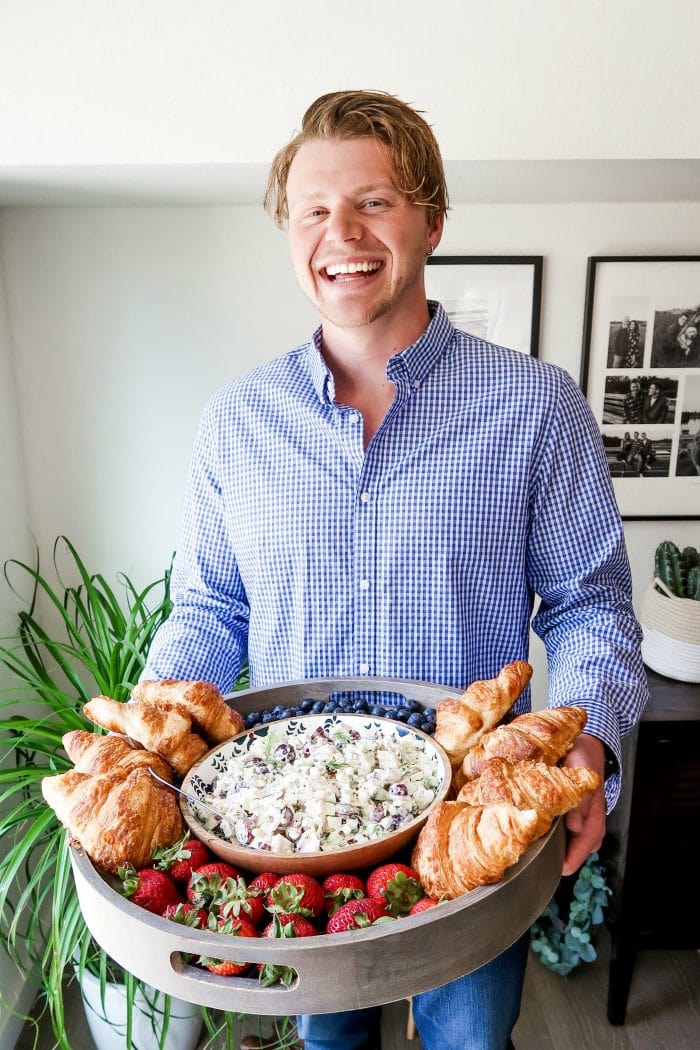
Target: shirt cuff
(602, 723)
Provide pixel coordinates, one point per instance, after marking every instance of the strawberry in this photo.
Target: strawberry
(205, 882)
(182, 858)
(340, 888)
(263, 882)
(235, 928)
(150, 889)
(423, 905)
(298, 924)
(299, 894)
(187, 915)
(357, 915)
(397, 885)
(236, 900)
(290, 925)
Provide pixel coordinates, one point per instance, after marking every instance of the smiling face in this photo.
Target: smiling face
(358, 246)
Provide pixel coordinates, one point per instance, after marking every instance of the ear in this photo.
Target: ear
(435, 233)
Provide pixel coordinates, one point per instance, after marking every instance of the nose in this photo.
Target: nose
(344, 224)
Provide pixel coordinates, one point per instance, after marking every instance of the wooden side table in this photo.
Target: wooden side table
(654, 835)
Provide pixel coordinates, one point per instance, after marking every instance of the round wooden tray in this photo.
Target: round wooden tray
(335, 972)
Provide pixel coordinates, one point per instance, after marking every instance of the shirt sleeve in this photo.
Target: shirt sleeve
(205, 636)
(578, 565)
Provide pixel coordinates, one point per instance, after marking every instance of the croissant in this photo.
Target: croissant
(460, 722)
(461, 847)
(211, 715)
(549, 790)
(539, 736)
(117, 819)
(168, 733)
(95, 754)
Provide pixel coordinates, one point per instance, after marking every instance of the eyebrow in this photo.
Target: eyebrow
(359, 191)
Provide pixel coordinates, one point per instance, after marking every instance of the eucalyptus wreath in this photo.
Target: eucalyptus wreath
(563, 943)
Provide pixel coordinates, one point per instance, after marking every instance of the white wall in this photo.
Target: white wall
(14, 536)
(124, 320)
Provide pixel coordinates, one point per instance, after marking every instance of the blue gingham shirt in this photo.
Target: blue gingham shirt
(419, 557)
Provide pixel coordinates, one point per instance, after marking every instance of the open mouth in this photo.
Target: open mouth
(353, 270)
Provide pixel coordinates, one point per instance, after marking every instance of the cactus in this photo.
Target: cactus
(667, 565)
(689, 558)
(693, 584)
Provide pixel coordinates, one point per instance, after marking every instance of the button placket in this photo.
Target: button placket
(365, 553)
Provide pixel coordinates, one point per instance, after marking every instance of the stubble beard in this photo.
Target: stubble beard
(360, 315)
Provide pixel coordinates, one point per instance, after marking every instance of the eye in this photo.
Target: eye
(374, 204)
(312, 215)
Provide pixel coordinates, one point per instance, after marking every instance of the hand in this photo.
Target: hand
(586, 823)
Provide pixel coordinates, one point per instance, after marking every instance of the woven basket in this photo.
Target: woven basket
(671, 627)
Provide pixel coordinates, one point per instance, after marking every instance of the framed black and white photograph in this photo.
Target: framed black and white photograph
(641, 376)
(494, 297)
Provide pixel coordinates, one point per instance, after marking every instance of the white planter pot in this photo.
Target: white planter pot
(671, 628)
(108, 1024)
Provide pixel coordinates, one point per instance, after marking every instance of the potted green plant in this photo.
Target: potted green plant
(670, 614)
(100, 645)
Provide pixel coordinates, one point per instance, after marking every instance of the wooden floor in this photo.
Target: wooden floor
(559, 1013)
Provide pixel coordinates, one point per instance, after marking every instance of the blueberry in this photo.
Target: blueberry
(416, 719)
(330, 706)
(290, 712)
(267, 717)
(306, 705)
(428, 727)
(318, 707)
(359, 705)
(252, 719)
(378, 711)
(429, 714)
(344, 704)
(400, 714)
(278, 710)
(413, 705)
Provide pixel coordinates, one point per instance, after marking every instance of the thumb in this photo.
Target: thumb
(574, 821)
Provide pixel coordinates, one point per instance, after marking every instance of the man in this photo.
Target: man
(347, 512)
(668, 344)
(646, 453)
(621, 344)
(633, 404)
(655, 407)
(634, 461)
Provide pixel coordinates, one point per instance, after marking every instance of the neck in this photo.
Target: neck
(357, 358)
(366, 349)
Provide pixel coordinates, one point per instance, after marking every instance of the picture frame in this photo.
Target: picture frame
(640, 372)
(494, 297)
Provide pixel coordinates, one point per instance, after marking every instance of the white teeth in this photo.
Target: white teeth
(363, 267)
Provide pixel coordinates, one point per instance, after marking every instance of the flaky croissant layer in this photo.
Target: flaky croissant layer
(461, 847)
(460, 722)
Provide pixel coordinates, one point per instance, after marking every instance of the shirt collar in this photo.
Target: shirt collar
(415, 362)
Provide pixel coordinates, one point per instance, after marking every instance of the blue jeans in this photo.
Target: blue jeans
(476, 1012)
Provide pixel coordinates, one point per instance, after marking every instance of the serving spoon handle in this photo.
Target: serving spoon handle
(190, 798)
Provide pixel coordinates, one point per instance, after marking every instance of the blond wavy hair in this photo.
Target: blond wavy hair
(379, 115)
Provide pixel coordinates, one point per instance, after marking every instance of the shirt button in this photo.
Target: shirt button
(364, 668)
(365, 497)
(353, 417)
(416, 384)
(364, 584)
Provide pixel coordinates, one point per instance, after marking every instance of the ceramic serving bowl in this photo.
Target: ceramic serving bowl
(274, 748)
